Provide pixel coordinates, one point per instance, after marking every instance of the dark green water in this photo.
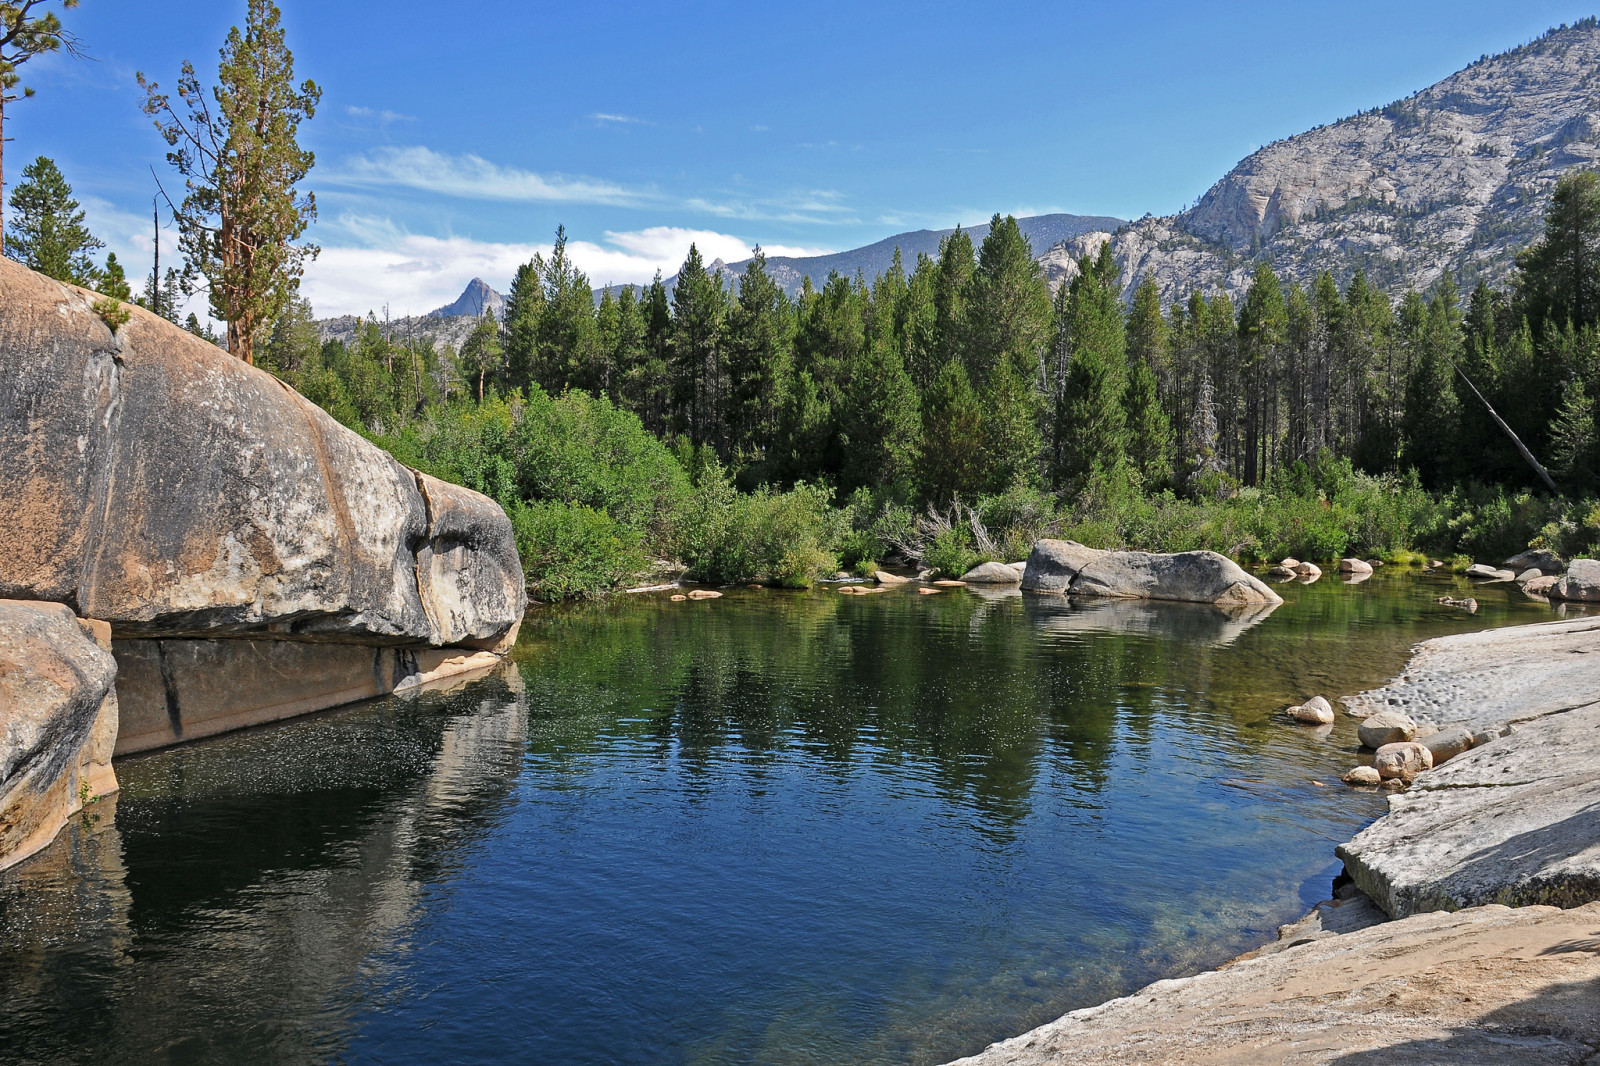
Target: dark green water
(776, 827)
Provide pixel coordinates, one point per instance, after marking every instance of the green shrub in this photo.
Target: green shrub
(571, 550)
(781, 538)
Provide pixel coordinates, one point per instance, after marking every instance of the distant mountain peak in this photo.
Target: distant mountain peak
(476, 298)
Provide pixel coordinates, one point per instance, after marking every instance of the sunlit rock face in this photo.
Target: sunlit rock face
(58, 720)
(1455, 177)
(157, 483)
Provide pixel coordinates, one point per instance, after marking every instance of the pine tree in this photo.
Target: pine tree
(1574, 440)
(951, 289)
(1263, 331)
(46, 231)
(241, 163)
(483, 356)
(697, 356)
(1091, 425)
(1149, 430)
(26, 33)
(112, 281)
(1558, 276)
(567, 353)
(524, 308)
(760, 361)
(879, 426)
(1008, 309)
(952, 435)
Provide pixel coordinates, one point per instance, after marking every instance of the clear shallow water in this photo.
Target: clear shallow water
(776, 827)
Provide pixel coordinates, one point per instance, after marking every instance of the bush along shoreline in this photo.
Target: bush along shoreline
(952, 411)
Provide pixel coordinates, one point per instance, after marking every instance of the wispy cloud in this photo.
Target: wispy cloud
(378, 115)
(806, 205)
(473, 177)
(369, 262)
(619, 120)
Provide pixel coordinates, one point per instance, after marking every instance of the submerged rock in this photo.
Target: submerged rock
(58, 722)
(1386, 727)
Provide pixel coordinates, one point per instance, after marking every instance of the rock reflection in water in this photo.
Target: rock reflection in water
(229, 910)
(1193, 623)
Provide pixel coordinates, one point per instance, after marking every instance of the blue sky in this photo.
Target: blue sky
(452, 139)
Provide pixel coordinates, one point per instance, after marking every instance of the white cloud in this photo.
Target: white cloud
(413, 274)
(472, 177)
(620, 120)
(671, 244)
(380, 115)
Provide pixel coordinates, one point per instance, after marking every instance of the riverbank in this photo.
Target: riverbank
(1432, 966)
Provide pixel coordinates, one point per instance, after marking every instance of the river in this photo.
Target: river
(778, 827)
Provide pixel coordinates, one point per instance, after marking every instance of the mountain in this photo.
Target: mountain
(449, 324)
(1044, 231)
(1456, 176)
(474, 300)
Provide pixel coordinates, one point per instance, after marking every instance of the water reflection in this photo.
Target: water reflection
(777, 827)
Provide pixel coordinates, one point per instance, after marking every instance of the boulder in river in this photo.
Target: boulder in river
(1386, 727)
(883, 577)
(1192, 577)
(1539, 586)
(1484, 572)
(1581, 582)
(1354, 566)
(1404, 760)
(1308, 571)
(1363, 777)
(1315, 711)
(58, 721)
(1052, 564)
(1290, 563)
(1281, 573)
(992, 574)
(1546, 562)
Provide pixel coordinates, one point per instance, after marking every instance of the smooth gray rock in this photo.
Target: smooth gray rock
(1354, 566)
(992, 574)
(1315, 711)
(1514, 822)
(58, 722)
(1308, 570)
(1192, 577)
(1386, 727)
(1281, 573)
(1528, 575)
(157, 483)
(1052, 564)
(1546, 562)
(1404, 760)
(1484, 572)
(1580, 583)
(1487, 679)
(1363, 777)
(1447, 743)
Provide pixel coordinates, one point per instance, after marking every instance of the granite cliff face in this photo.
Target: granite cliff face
(242, 556)
(1454, 177)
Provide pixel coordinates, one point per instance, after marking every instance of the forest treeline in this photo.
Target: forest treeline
(954, 411)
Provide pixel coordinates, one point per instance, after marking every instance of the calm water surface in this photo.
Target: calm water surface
(776, 827)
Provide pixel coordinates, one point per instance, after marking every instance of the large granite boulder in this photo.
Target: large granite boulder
(1546, 562)
(157, 483)
(1580, 583)
(1052, 564)
(1192, 577)
(58, 722)
(993, 574)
